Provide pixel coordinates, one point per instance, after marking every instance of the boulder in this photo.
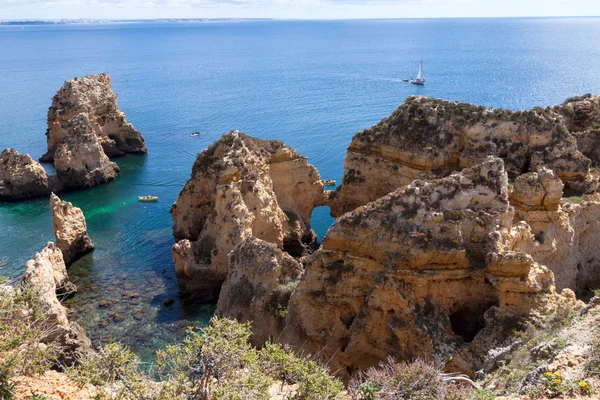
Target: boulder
(70, 229)
(79, 159)
(241, 187)
(93, 96)
(540, 190)
(21, 177)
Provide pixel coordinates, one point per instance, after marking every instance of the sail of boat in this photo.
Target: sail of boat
(419, 81)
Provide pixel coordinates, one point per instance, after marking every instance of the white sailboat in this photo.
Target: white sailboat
(419, 81)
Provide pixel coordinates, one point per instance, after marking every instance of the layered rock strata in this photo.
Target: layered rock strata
(21, 177)
(258, 287)
(417, 273)
(46, 276)
(70, 229)
(79, 159)
(93, 96)
(241, 187)
(429, 138)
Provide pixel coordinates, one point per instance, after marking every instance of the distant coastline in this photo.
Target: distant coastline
(128, 21)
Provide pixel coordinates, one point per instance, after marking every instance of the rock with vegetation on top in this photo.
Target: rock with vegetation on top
(79, 159)
(241, 187)
(582, 116)
(93, 96)
(419, 272)
(46, 276)
(21, 177)
(70, 229)
(430, 138)
(258, 287)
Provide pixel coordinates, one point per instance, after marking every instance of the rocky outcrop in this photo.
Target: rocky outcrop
(70, 229)
(582, 117)
(241, 187)
(258, 287)
(46, 277)
(79, 159)
(429, 138)
(21, 177)
(419, 272)
(93, 96)
(540, 191)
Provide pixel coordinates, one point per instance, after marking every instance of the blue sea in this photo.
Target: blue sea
(311, 84)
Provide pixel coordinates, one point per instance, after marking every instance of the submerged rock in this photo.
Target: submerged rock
(241, 187)
(80, 161)
(93, 96)
(46, 276)
(70, 229)
(429, 138)
(21, 177)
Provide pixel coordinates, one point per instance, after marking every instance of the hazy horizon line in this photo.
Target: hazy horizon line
(290, 19)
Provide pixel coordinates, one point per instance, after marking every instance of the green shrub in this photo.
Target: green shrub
(417, 380)
(23, 326)
(217, 363)
(112, 363)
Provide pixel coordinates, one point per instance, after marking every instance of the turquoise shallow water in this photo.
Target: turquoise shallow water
(311, 84)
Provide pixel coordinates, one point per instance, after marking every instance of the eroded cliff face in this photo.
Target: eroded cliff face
(423, 260)
(46, 276)
(70, 229)
(241, 187)
(582, 117)
(21, 177)
(93, 96)
(416, 272)
(79, 159)
(258, 287)
(429, 138)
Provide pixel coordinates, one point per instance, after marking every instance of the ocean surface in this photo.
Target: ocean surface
(310, 84)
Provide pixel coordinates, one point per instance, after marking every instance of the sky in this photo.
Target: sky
(295, 9)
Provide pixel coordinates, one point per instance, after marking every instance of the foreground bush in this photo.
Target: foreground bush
(217, 363)
(23, 326)
(417, 380)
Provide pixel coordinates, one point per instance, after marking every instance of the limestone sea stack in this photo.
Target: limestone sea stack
(93, 96)
(430, 138)
(79, 159)
(241, 187)
(46, 276)
(70, 229)
(21, 177)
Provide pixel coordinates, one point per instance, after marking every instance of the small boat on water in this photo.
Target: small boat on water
(147, 198)
(420, 81)
(328, 182)
(196, 133)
